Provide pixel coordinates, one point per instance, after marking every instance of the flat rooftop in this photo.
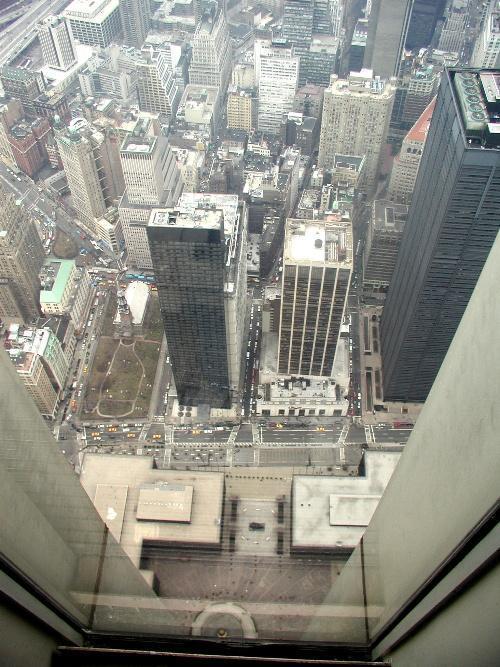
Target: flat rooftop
(135, 144)
(198, 218)
(388, 216)
(331, 513)
(95, 10)
(318, 242)
(477, 94)
(140, 503)
(55, 274)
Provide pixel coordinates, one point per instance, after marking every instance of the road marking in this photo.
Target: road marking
(233, 434)
(343, 434)
(374, 439)
(368, 434)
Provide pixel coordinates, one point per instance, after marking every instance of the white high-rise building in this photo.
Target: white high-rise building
(152, 179)
(277, 76)
(356, 115)
(211, 55)
(58, 49)
(95, 23)
(157, 87)
(337, 16)
(487, 50)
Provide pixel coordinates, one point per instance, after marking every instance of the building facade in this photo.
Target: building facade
(94, 23)
(157, 88)
(382, 243)
(80, 151)
(58, 49)
(452, 223)
(211, 55)
(151, 179)
(135, 17)
(21, 257)
(277, 75)
(356, 115)
(406, 164)
(487, 49)
(317, 266)
(387, 28)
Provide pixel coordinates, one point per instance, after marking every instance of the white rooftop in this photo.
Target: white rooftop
(332, 512)
(137, 296)
(95, 10)
(319, 242)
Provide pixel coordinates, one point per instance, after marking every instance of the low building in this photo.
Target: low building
(40, 362)
(147, 508)
(241, 109)
(27, 140)
(132, 307)
(330, 514)
(286, 396)
(190, 164)
(198, 109)
(66, 290)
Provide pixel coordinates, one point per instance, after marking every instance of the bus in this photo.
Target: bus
(140, 276)
(402, 424)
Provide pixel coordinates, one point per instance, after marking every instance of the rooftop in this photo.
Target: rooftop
(387, 216)
(54, 278)
(318, 242)
(332, 512)
(140, 503)
(137, 296)
(90, 10)
(419, 131)
(138, 144)
(477, 94)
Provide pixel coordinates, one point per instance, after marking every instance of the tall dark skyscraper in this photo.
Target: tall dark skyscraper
(452, 223)
(197, 251)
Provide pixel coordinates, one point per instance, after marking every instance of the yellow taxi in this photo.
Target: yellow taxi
(279, 425)
(320, 428)
(94, 433)
(85, 369)
(157, 436)
(130, 435)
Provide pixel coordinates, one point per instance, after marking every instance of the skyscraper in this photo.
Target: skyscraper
(298, 23)
(452, 222)
(151, 179)
(58, 49)
(387, 28)
(356, 114)
(198, 250)
(277, 76)
(135, 21)
(21, 258)
(317, 266)
(211, 54)
(80, 152)
(157, 87)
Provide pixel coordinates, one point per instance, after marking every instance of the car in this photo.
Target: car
(131, 435)
(95, 434)
(85, 370)
(320, 428)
